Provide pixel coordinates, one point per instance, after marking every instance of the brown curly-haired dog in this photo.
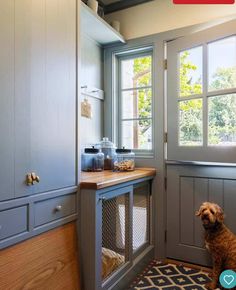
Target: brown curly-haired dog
(220, 241)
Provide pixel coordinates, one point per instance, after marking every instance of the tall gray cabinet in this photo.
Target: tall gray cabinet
(37, 115)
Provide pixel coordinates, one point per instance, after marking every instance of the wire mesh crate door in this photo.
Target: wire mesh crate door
(141, 217)
(115, 242)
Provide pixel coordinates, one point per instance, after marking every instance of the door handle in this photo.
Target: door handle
(32, 178)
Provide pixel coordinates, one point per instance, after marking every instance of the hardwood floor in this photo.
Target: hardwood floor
(46, 262)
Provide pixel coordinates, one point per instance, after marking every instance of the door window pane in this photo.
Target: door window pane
(137, 134)
(222, 120)
(190, 72)
(190, 123)
(222, 64)
(137, 104)
(136, 72)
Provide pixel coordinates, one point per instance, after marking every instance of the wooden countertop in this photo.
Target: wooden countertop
(98, 180)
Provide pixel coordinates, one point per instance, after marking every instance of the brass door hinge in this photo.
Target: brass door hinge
(165, 137)
(165, 182)
(165, 64)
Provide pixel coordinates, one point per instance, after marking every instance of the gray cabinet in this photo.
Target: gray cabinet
(37, 95)
(115, 220)
(37, 116)
(6, 99)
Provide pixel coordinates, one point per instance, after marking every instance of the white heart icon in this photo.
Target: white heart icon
(228, 279)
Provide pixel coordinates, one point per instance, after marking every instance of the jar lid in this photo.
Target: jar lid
(91, 150)
(123, 150)
(105, 143)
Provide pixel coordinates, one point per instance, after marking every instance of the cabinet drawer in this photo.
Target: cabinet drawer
(13, 221)
(55, 208)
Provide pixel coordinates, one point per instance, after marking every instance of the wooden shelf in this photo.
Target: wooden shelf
(97, 28)
(98, 180)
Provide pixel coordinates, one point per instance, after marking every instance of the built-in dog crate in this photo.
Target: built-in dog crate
(116, 232)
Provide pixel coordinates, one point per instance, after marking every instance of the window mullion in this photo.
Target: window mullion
(136, 89)
(119, 103)
(137, 119)
(204, 91)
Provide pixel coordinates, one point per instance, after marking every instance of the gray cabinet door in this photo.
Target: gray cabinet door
(37, 95)
(53, 94)
(188, 187)
(6, 99)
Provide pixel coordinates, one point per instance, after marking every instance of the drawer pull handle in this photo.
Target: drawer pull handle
(58, 208)
(31, 178)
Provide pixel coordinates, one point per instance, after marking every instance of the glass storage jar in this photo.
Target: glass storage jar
(125, 160)
(92, 160)
(109, 150)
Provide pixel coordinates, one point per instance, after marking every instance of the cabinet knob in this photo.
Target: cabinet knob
(58, 208)
(31, 178)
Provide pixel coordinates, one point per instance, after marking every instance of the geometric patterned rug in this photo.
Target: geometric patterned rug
(170, 277)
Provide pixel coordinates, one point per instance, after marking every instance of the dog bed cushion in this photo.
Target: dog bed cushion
(110, 261)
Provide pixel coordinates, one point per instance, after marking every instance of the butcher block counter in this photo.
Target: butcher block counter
(99, 180)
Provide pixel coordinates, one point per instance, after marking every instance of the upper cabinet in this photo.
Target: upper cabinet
(97, 28)
(38, 95)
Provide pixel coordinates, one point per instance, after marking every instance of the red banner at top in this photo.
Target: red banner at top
(203, 1)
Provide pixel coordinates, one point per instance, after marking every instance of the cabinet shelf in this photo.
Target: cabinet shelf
(97, 28)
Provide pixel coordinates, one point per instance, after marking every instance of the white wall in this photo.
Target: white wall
(92, 76)
(163, 15)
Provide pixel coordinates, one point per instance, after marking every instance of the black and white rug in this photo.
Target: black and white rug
(170, 277)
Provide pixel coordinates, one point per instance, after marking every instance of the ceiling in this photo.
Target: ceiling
(116, 5)
(107, 2)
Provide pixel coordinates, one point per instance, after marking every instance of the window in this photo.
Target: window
(135, 101)
(208, 88)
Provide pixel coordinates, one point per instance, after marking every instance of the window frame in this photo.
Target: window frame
(132, 54)
(220, 153)
(205, 95)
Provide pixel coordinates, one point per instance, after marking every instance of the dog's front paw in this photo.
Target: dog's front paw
(211, 285)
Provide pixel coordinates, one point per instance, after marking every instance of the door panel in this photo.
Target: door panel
(201, 108)
(7, 99)
(200, 195)
(188, 187)
(186, 219)
(190, 98)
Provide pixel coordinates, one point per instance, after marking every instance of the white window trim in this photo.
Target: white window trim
(133, 53)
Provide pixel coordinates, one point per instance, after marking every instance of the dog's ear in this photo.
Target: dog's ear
(198, 213)
(220, 214)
